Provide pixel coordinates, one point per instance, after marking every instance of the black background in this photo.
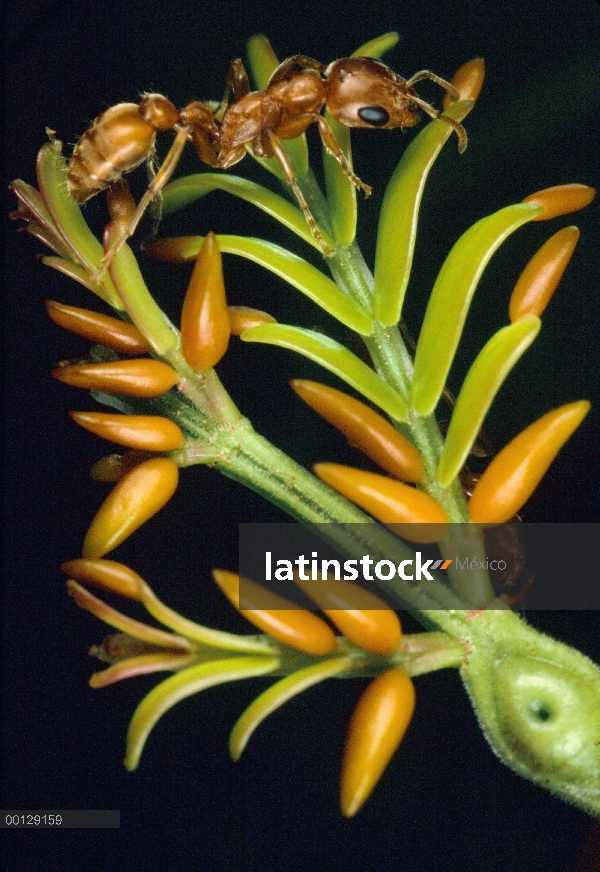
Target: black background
(445, 801)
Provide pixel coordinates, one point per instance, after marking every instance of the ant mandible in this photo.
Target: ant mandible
(358, 92)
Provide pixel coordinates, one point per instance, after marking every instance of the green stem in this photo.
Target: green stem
(394, 364)
(417, 654)
(244, 456)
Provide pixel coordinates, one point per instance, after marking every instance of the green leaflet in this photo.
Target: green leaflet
(377, 47)
(73, 271)
(277, 695)
(263, 62)
(399, 215)
(451, 298)
(341, 193)
(297, 272)
(334, 357)
(133, 628)
(181, 685)
(483, 381)
(188, 189)
(68, 220)
(40, 223)
(203, 635)
(137, 299)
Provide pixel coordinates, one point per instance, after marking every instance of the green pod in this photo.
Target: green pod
(451, 298)
(297, 272)
(483, 381)
(336, 358)
(400, 212)
(188, 189)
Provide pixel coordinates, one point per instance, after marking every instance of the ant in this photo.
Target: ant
(358, 92)
(123, 137)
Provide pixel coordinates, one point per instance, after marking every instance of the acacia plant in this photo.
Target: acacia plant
(536, 699)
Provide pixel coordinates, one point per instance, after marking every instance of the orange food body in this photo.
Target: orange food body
(364, 428)
(139, 495)
(143, 377)
(205, 328)
(106, 574)
(516, 471)
(244, 318)
(541, 276)
(468, 81)
(144, 432)
(359, 615)
(561, 199)
(284, 621)
(101, 329)
(377, 727)
(409, 512)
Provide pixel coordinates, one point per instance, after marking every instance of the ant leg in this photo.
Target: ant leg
(433, 113)
(290, 177)
(156, 205)
(427, 74)
(156, 185)
(237, 84)
(334, 149)
(301, 62)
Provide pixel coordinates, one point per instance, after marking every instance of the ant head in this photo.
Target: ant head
(362, 92)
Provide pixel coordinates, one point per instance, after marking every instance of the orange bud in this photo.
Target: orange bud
(516, 471)
(408, 512)
(243, 318)
(144, 432)
(106, 574)
(541, 276)
(121, 205)
(108, 468)
(113, 467)
(139, 377)
(561, 200)
(134, 500)
(283, 620)
(468, 81)
(171, 249)
(364, 429)
(359, 615)
(377, 727)
(101, 329)
(205, 328)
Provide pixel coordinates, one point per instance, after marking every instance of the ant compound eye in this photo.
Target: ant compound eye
(377, 116)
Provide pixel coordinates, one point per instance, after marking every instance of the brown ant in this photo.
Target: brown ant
(358, 92)
(123, 137)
